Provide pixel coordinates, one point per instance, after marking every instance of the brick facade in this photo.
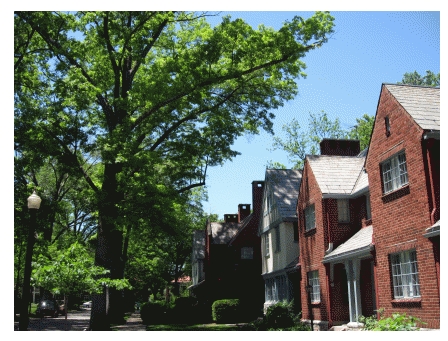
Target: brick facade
(401, 216)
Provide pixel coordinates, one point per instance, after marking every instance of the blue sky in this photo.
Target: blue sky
(344, 79)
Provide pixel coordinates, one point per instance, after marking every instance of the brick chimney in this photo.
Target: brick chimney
(230, 218)
(243, 211)
(339, 147)
(257, 197)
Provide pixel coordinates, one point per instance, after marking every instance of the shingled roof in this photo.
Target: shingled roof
(422, 103)
(337, 175)
(284, 185)
(358, 245)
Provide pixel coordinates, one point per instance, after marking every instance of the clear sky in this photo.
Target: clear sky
(344, 79)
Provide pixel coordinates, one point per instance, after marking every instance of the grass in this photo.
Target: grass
(195, 327)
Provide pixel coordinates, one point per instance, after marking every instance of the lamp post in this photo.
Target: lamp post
(309, 290)
(33, 205)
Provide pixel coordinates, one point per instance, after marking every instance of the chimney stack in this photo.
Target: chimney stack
(230, 218)
(257, 196)
(243, 211)
(339, 147)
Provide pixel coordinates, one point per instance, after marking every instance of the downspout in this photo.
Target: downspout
(330, 243)
(431, 181)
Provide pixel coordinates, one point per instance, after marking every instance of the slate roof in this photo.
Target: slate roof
(358, 245)
(284, 185)
(337, 174)
(222, 233)
(422, 103)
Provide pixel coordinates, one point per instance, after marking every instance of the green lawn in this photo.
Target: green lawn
(195, 327)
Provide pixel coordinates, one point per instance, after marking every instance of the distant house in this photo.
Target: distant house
(232, 256)
(279, 237)
(335, 236)
(403, 166)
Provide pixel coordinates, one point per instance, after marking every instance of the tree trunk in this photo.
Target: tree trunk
(108, 254)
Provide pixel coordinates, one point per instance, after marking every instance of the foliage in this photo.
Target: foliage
(139, 104)
(279, 317)
(72, 271)
(153, 312)
(396, 322)
(226, 311)
(299, 143)
(414, 78)
(362, 130)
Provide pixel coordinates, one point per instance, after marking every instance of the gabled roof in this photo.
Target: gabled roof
(337, 175)
(422, 103)
(222, 233)
(284, 185)
(357, 246)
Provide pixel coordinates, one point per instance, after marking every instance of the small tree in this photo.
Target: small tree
(72, 271)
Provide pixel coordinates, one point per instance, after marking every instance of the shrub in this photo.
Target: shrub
(278, 317)
(396, 322)
(153, 312)
(226, 311)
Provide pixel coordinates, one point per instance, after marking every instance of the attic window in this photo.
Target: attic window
(243, 207)
(387, 125)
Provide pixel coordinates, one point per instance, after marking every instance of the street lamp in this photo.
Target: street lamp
(33, 205)
(309, 291)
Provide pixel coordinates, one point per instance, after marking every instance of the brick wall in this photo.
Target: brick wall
(401, 217)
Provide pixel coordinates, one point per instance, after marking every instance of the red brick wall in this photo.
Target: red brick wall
(312, 243)
(400, 218)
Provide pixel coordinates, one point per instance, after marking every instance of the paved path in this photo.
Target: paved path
(78, 321)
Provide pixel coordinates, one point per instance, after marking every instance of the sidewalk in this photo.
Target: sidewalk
(133, 323)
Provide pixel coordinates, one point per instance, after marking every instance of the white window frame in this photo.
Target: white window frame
(266, 245)
(343, 210)
(313, 281)
(405, 274)
(310, 217)
(277, 239)
(394, 171)
(247, 252)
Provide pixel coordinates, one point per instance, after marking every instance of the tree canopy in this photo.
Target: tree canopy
(139, 104)
(414, 78)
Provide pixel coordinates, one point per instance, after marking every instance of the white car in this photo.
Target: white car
(87, 304)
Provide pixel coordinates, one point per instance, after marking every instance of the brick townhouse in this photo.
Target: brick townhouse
(230, 264)
(335, 236)
(403, 166)
(369, 222)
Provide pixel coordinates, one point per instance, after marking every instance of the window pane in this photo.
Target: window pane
(405, 274)
(343, 211)
(395, 173)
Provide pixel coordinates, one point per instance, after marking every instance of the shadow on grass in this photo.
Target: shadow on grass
(196, 327)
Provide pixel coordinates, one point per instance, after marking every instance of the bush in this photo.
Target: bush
(153, 312)
(226, 311)
(397, 322)
(278, 317)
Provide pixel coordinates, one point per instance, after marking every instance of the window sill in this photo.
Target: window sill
(315, 304)
(401, 302)
(310, 232)
(398, 193)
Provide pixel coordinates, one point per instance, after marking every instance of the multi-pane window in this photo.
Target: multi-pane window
(395, 174)
(343, 211)
(277, 239)
(247, 252)
(309, 218)
(266, 245)
(405, 274)
(277, 289)
(313, 282)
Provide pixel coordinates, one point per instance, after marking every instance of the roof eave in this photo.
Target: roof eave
(358, 253)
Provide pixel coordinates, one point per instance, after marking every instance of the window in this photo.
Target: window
(247, 252)
(343, 211)
(277, 239)
(368, 212)
(405, 274)
(387, 125)
(277, 289)
(313, 281)
(395, 174)
(295, 227)
(309, 218)
(266, 245)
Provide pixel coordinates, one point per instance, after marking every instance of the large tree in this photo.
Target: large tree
(159, 96)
